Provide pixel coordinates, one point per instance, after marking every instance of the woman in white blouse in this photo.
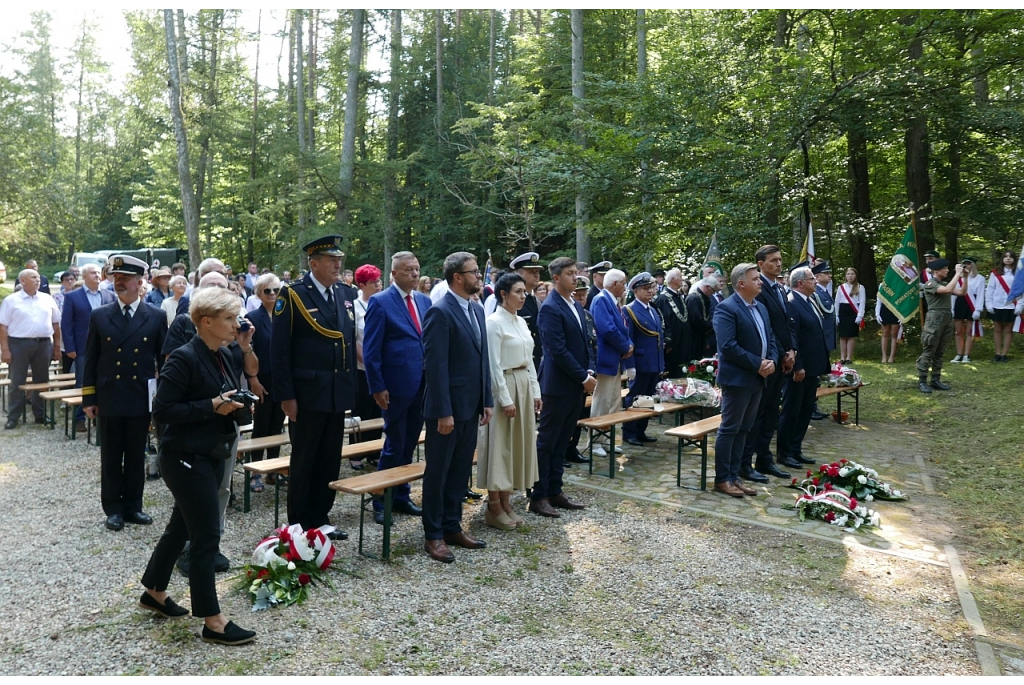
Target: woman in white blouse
(999, 307)
(967, 313)
(507, 446)
(851, 300)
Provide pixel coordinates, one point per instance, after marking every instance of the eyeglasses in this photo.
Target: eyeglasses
(474, 271)
(271, 291)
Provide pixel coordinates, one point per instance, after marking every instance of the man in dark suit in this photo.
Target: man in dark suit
(699, 306)
(122, 354)
(457, 400)
(747, 356)
(672, 305)
(812, 362)
(566, 374)
(393, 357)
(773, 297)
(822, 299)
(314, 376)
(528, 266)
(74, 323)
(647, 331)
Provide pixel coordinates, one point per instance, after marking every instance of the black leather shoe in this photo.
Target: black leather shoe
(11, 423)
(634, 441)
(115, 522)
(646, 438)
(168, 609)
(923, 387)
(774, 470)
(139, 518)
(232, 635)
(748, 474)
(803, 460)
(378, 517)
(818, 416)
(577, 458)
(939, 385)
(221, 564)
(789, 462)
(41, 421)
(470, 494)
(406, 507)
(337, 535)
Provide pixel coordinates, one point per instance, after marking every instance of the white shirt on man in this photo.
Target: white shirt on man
(29, 316)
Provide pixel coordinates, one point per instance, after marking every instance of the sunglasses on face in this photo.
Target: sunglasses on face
(271, 291)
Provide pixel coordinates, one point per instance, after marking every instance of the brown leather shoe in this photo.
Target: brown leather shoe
(460, 539)
(729, 489)
(438, 550)
(745, 489)
(544, 508)
(563, 502)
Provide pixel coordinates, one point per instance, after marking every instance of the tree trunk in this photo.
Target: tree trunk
(774, 184)
(862, 250)
(253, 199)
(919, 186)
(578, 93)
(300, 117)
(391, 179)
(314, 32)
(190, 213)
(209, 105)
(490, 62)
(439, 66)
(348, 144)
(182, 51)
(641, 74)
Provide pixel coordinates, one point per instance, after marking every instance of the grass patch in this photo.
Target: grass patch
(974, 441)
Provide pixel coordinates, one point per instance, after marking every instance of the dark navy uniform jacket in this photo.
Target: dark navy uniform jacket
(529, 312)
(121, 357)
(648, 350)
(314, 348)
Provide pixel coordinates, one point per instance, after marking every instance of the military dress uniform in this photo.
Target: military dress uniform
(599, 268)
(314, 363)
(674, 313)
(531, 307)
(122, 354)
(647, 332)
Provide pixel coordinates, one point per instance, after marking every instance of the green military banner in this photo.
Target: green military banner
(714, 257)
(900, 290)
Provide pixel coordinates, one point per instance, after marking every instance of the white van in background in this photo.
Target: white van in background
(80, 259)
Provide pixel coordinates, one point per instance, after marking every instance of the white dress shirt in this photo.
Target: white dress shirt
(29, 316)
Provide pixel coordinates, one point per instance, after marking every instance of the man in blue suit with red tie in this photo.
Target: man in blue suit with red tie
(393, 356)
(747, 356)
(566, 374)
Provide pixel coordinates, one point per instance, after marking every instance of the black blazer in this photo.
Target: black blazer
(778, 315)
(190, 378)
(567, 351)
(809, 336)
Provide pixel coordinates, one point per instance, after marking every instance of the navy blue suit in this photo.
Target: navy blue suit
(120, 358)
(313, 362)
(393, 357)
(798, 397)
(740, 346)
(567, 359)
(458, 384)
(267, 416)
(759, 439)
(74, 329)
(648, 355)
(828, 320)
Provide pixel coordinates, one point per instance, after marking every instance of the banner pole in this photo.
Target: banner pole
(920, 268)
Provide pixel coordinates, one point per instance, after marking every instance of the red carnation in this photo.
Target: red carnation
(263, 573)
(692, 368)
(311, 533)
(842, 461)
(853, 503)
(808, 474)
(794, 481)
(830, 517)
(824, 468)
(815, 481)
(828, 486)
(304, 579)
(833, 471)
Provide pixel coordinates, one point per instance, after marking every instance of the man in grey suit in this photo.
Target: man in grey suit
(457, 400)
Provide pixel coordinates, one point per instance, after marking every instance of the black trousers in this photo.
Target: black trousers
(558, 419)
(316, 460)
(267, 419)
(797, 407)
(759, 438)
(122, 462)
(449, 465)
(196, 518)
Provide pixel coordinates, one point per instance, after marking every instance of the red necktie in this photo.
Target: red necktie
(412, 313)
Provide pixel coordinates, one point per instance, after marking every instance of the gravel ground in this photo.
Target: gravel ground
(623, 587)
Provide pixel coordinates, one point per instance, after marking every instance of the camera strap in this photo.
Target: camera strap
(223, 371)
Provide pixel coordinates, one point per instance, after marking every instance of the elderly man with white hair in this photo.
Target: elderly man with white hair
(671, 302)
(29, 336)
(614, 348)
(699, 307)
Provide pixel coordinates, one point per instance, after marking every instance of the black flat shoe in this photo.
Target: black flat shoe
(635, 442)
(789, 462)
(232, 635)
(11, 423)
(115, 522)
(577, 458)
(754, 476)
(337, 535)
(378, 517)
(168, 609)
(221, 564)
(774, 470)
(139, 518)
(473, 495)
(646, 438)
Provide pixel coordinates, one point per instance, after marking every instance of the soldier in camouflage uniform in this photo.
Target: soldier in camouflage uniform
(938, 323)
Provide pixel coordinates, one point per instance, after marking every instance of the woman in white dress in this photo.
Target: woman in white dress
(967, 312)
(507, 446)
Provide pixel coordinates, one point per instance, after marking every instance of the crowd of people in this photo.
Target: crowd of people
(496, 364)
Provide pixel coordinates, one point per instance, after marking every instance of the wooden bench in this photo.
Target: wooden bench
(36, 387)
(605, 426)
(52, 397)
(840, 392)
(694, 434)
(376, 483)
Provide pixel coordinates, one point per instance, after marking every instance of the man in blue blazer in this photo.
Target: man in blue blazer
(812, 362)
(457, 400)
(393, 357)
(74, 324)
(647, 331)
(566, 374)
(747, 356)
(614, 348)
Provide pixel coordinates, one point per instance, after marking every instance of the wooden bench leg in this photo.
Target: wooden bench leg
(277, 500)
(386, 545)
(362, 520)
(611, 453)
(704, 463)
(856, 404)
(679, 461)
(245, 498)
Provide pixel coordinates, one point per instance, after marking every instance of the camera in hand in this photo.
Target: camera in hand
(244, 397)
(243, 416)
(243, 325)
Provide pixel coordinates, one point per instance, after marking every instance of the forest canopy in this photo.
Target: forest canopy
(627, 135)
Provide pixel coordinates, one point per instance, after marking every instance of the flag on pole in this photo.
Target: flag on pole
(807, 253)
(714, 257)
(487, 269)
(901, 285)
